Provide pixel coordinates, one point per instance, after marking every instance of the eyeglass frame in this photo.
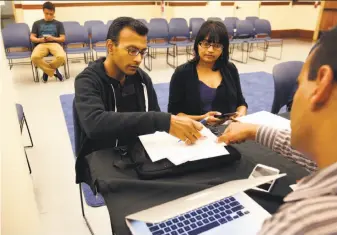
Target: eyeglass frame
(141, 52)
(211, 44)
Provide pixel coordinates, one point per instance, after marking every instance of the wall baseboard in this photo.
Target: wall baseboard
(293, 33)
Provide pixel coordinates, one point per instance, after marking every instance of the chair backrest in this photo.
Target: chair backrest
(195, 21)
(285, 82)
(99, 33)
(90, 23)
(75, 34)
(252, 19)
(215, 19)
(143, 21)
(12, 37)
(230, 29)
(178, 28)
(195, 25)
(19, 26)
(109, 23)
(244, 28)
(158, 28)
(231, 21)
(69, 23)
(262, 27)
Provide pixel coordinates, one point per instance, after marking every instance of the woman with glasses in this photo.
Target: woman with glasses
(208, 84)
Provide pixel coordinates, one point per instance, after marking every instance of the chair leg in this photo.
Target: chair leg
(83, 213)
(149, 58)
(68, 66)
(30, 136)
(30, 169)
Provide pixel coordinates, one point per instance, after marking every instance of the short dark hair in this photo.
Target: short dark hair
(49, 6)
(125, 22)
(217, 33)
(325, 53)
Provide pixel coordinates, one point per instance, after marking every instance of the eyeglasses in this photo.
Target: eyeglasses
(135, 51)
(206, 44)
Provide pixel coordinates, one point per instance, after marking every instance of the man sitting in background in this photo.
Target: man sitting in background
(47, 35)
(312, 207)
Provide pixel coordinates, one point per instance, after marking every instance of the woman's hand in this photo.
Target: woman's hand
(241, 111)
(211, 120)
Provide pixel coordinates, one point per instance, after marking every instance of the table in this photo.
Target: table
(125, 194)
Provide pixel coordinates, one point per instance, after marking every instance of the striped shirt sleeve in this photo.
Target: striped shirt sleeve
(279, 141)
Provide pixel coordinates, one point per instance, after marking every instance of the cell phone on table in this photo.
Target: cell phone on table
(263, 170)
(224, 115)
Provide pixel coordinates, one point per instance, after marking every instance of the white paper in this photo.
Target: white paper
(267, 119)
(161, 145)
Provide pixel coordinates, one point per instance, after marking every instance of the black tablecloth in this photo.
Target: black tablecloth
(125, 194)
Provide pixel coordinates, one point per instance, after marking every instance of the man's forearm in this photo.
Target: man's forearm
(279, 141)
(59, 39)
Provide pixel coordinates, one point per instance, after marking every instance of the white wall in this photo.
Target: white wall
(19, 214)
(281, 17)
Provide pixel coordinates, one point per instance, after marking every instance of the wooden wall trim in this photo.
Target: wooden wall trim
(227, 3)
(275, 3)
(85, 4)
(309, 3)
(18, 6)
(293, 33)
(330, 9)
(187, 4)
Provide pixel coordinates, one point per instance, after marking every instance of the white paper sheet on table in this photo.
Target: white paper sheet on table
(161, 145)
(268, 119)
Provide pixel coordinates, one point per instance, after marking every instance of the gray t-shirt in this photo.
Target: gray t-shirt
(54, 28)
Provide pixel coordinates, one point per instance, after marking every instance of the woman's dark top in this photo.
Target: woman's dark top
(207, 95)
(185, 95)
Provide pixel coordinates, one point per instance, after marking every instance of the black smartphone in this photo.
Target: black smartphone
(224, 115)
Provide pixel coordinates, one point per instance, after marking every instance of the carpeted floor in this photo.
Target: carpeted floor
(258, 90)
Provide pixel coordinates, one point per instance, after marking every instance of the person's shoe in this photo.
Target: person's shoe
(45, 77)
(58, 75)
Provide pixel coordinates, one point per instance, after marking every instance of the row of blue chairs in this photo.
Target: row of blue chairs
(91, 37)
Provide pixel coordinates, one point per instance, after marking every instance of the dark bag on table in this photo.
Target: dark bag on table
(139, 160)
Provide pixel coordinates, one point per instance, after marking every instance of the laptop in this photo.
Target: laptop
(223, 209)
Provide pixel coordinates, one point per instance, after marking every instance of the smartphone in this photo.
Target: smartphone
(224, 115)
(263, 170)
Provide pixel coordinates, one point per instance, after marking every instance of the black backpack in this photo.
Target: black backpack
(134, 156)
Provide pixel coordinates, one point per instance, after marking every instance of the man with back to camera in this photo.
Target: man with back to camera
(47, 35)
(312, 207)
(115, 100)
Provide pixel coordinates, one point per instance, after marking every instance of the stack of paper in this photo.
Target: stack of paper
(268, 119)
(161, 145)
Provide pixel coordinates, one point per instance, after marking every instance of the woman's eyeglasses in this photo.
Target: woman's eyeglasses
(206, 44)
(135, 51)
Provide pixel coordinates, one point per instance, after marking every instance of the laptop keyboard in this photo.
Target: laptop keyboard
(202, 219)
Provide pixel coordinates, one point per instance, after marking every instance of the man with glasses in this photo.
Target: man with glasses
(115, 100)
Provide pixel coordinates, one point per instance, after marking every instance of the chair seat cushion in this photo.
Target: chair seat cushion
(18, 55)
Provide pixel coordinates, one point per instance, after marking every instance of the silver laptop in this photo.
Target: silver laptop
(223, 209)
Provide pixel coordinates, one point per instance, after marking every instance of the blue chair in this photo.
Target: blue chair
(23, 121)
(91, 23)
(109, 23)
(17, 36)
(215, 19)
(243, 36)
(158, 38)
(98, 36)
(231, 21)
(263, 29)
(179, 36)
(70, 23)
(252, 19)
(195, 25)
(285, 83)
(76, 35)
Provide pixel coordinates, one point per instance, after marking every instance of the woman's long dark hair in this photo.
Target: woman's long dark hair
(217, 33)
